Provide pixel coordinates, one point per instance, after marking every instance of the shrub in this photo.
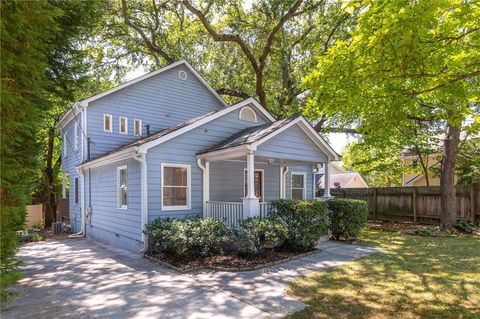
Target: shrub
(306, 221)
(190, 238)
(428, 231)
(347, 217)
(255, 235)
(30, 235)
(466, 226)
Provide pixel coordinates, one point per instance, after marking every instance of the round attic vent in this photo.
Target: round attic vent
(182, 75)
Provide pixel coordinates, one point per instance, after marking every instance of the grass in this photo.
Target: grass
(415, 277)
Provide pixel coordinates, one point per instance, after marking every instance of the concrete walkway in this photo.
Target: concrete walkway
(81, 278)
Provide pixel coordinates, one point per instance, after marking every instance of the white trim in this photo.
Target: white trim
(67, 116)
(244, 109)
(119, 202)
(309, 130)
(144, 194)
(249, 101)
(263, 181)
(189, 187)
(65, 145)
(134, 127)
(304, 195)
(120, 118)
(110, 117)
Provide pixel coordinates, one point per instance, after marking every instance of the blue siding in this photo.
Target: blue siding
(308, 170)
(183, 150)
(227, 181)
(161, 101)
(106, 215)
(292, 144)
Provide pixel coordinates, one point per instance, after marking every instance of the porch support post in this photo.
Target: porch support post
(251, 205)
(327, 180)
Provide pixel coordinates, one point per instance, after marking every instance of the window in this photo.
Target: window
(175, 186)
(298, 185)
(107, 123)
(77, 136)
(137, 127)
(258, 183)
(122, 189)
(248, 114)
(123, 125)
(75, 197)
(65, 145)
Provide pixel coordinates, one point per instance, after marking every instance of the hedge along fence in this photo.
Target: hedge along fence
(420, 204)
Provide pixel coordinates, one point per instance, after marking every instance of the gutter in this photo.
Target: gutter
(141, 157)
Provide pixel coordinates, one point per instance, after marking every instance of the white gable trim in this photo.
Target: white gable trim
(131, 151)
(307, 129)
(68, 116)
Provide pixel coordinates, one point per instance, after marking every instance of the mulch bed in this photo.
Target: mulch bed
(226, 262)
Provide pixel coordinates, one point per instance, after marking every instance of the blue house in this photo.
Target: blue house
(167, 145)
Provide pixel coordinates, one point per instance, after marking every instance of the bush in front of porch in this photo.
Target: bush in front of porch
(307, 221)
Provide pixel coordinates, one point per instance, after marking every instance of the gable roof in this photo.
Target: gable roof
(75, 108)
(253, 137)
(343, 179)
(144, 144)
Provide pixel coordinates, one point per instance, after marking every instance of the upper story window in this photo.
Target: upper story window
(298, 185)
(175, 186)
(107, 123)
(248, 114)
(137, 127)
(123, 125)
(65, 145)
(77, 136)
(122, 190)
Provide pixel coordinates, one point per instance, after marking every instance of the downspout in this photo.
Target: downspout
(285, 182)
(144, 197)
(206, 183)
(82, 205)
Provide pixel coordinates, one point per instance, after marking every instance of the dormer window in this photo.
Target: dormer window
(123, 125)
(137, 127)
(248, 114)
(107, 123)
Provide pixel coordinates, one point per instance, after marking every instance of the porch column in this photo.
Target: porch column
(251, 205)
(327, 180)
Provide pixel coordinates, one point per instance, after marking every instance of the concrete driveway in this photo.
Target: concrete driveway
(81, 278)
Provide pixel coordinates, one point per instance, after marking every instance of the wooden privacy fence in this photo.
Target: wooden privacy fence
(420, 204)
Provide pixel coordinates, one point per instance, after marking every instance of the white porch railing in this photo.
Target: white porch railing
(230, 212)
(264, 209)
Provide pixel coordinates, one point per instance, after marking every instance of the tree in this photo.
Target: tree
(378, 163)
(468, 168)
(406, 64)
(261, 50)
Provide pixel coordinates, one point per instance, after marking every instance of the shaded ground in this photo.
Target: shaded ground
(415, 277)
(78, 278)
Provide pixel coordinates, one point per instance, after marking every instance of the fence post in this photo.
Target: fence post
(472, 203)
(375, 204)
(414, 204)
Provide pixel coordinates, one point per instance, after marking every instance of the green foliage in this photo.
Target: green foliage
(30, 235)
(348, 217)
(467, 226)
(428, 231)
(306, 221)
(255, 235)
(190, 238)
(468, 166)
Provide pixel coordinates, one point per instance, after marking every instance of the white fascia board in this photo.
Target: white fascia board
(111, 158)
(67, 117)
(222, 112)
(309, 130)
(224, 154)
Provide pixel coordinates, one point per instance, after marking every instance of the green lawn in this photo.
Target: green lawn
(416, 277)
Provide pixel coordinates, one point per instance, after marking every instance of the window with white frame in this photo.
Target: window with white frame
(77, 136)
(175, 186)
(298, 185)
(137, 127)
(123, 125)
(122, 189)
(248, 114)
(107, 123)
(65, 145)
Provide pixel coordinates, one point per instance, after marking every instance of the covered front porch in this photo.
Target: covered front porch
(243, 174)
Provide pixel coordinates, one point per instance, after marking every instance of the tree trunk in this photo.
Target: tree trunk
(448, 216)
(51, 215)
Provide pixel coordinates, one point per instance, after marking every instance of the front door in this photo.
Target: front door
(258, 183)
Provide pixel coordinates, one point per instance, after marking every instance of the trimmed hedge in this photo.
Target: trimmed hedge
(347, 216)
(306, 220)
(255, 235)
